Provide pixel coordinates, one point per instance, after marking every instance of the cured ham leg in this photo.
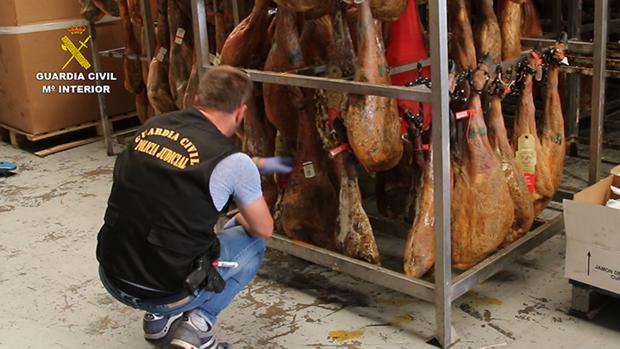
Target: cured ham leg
(316, 37)
(282, 103)
(420, 244)
(373, 124)
(131, 68)
(521, 197)
(301, 218)
(487, 32)
(489, 41)
(482, 208)
(247, 45)
(462, 48)
(510, 20)
(552, 142)
(158, 85)
(388, 10)
(223, 24)
(181, 51)
(525, 129)
(531, 26)
(353, 235)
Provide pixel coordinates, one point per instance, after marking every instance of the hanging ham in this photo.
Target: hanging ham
(181, 51)
(131, 67)
(158, 85)
(462, 47)
(487, 32)
(552, 140)
(282, 103)
(301, 218)
(513, 173)
(510, 21)
(316, 37)
(373, 124)
(482, 208)
(353, 236)
(531, 26)
(248, 44)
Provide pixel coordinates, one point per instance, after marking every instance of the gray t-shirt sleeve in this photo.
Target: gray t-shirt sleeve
(236, 175)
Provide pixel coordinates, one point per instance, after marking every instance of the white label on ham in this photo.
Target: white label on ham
(539, 73)
(162, 54)
(309, 170)
(178, 39)
(526, 153)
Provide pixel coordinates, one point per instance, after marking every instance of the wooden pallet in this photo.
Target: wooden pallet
(44, 144)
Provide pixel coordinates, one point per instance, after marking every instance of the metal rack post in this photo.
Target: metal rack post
(573, 92)
(438, 27)
(557, 18)
(199, 24)
(601, 14)
(103, 107)
(148, 36)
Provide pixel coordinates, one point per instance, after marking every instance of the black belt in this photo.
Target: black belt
(144, 293)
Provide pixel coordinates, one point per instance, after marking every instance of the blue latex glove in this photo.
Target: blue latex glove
(231, 223)
(276, 164)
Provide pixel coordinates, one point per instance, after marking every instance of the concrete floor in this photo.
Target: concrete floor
(50, 213)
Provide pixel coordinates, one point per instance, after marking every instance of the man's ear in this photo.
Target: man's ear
(241, 111)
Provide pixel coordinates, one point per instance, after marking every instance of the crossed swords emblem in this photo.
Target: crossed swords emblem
(68, 45)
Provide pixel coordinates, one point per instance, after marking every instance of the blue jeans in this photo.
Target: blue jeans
(236, 245)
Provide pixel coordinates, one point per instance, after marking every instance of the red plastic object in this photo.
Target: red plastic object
(407, 45)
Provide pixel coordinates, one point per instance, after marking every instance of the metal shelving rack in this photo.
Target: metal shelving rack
(148, 38)
(447, 286)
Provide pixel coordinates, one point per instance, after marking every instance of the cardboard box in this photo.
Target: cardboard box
(23, 103)
(593, 236)
(20, 12)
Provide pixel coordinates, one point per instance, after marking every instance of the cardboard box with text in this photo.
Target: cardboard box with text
(593, 236)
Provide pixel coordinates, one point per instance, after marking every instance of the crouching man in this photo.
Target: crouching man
(157, 249)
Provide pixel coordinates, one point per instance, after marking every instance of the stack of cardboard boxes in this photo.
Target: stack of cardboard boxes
(593, 235)
(31, 42)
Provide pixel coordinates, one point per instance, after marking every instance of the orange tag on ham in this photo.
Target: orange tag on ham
(339, 149)
(467, 113)
(530, 180)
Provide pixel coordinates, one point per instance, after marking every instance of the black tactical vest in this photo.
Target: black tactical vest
(160, 214)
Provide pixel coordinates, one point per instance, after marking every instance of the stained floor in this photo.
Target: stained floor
(49, 216)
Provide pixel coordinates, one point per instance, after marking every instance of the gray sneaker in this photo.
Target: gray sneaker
(195, 332)
(157, 327)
